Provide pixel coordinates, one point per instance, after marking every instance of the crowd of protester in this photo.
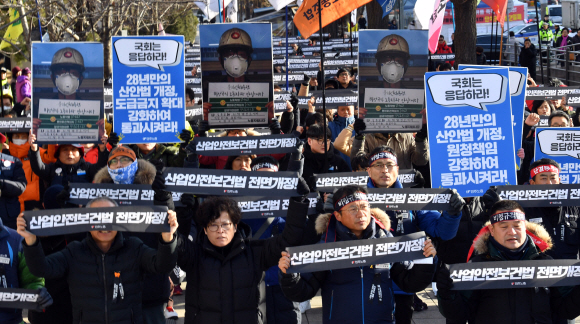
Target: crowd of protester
(236, 269)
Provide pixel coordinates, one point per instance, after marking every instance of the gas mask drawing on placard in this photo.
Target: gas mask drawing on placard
(392, 71)
(235, 66)
(67, 83)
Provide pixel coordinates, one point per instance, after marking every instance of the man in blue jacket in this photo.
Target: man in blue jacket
(383, 172)
(12, 184)
(351, 295)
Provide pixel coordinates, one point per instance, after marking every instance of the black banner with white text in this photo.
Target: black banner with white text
(206, 182)
(327, 182)
(150, 219)
(19, 298)
(357, 253)
(550, 93)
(409, 198)
(227, 146)
(124, 194)
(542, 195)
(263, 207)
(515, 274)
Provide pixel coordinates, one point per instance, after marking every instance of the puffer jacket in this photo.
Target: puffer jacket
(32, 192)
(314, 162)
(228, 289)
(12, 185)
(508, 306)
(562, 226)
(155, 286)
(336, 126)
(346, 292)
(92, 273)
(407, 150)
(57, 173)
(14, 269)
(23, 88)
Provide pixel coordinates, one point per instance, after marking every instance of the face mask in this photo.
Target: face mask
(392, 72)
(7, 108)
(235, 66)
(19, 141)
(67, 83)
(124, 175)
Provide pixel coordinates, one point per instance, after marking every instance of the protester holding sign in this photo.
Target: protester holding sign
(315, 158)
(15, 274)
(13, 185)
(343, 298)
(508, 237)
(383, 172)
(224, 257)
(105, 270)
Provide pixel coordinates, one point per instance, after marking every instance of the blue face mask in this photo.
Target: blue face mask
(124, 175)
(344, 121)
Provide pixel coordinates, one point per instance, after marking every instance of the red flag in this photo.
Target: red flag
(306, 18)
(499, 6)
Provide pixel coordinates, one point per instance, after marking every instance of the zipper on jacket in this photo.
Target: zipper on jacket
(331, 303)
(105, 286)
(362, 289)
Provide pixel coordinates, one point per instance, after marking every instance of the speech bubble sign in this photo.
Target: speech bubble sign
(494, 86)
(156, 53)
(560, 141)
(517, 79)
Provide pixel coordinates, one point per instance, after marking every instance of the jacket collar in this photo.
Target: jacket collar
(238, 243)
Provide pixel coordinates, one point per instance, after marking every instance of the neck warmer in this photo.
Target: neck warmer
(516, 254)
(124, 175)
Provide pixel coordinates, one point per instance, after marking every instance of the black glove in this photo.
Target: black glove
(113, 139)
(275, 127)
(444, 282)
(64, 195)
(159, 182)
(186, 137)
(158, 163)
(490, 197)
(188, 200)
(203, 128)
(44, 299)
(306, 81)
(302, 189)
(455, 203)
(329, 204)
(297, 155)
(419, 180)
(312, 183)
(421, 135)
(161, 196)
(320, 204)
(359, 126)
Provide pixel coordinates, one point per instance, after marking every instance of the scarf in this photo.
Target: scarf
(124, 175)
(516, 254)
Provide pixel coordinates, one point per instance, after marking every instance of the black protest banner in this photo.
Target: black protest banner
(573, 100)
(327, 182)
(263, 207)
(280, 98)
(293, 78)
(409, 199)
(123, 194)
(543, 121)
(550, 93)
(442, 57)
(15, 125)
(151, 219)
(227, 146)
(194, 112)
(19, 298)
(206, 182)
(108, 99)
(334, 98)
(542, 195)
(356, 253)
(515, 274)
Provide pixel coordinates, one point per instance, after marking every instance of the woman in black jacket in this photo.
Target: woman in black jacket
(225, 268)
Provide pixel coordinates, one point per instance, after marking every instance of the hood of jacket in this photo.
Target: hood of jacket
(323, 220)
(145, 174)
(481, 247)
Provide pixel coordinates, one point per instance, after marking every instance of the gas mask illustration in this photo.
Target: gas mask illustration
(235, 66)
(392, 72)
(67, 83)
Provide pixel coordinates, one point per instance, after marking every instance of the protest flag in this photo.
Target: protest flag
(499, 7)
(14, 30)
(306, 18)
(435, 24)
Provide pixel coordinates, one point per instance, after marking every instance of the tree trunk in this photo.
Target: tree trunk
(106, 40)
(375, 16)
(465, 32)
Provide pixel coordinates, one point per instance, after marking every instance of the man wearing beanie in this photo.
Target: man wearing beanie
(507, 236)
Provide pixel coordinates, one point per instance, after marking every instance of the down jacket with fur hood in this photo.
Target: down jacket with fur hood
(521, 305)
(346, 292)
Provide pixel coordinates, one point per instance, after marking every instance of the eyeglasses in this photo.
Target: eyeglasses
(320, 141)
(380, 166)
(123, 160)
(355, 209)
(345, 74)
(225, 226)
